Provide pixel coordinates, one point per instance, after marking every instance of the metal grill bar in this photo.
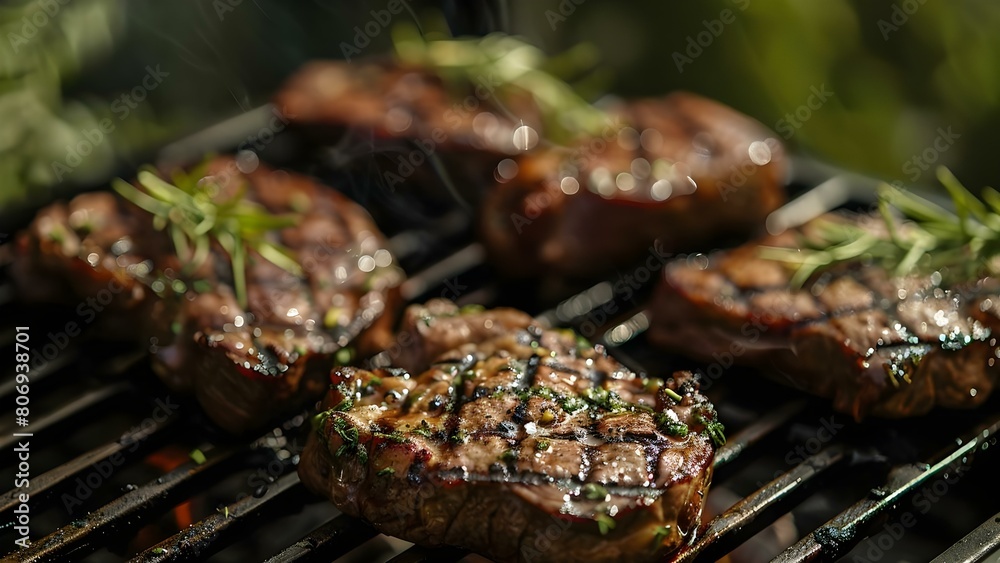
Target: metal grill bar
(745, 517)
(66, 413)
(328, 542)
(66, 471)
(65, 358)
(86, 534)
(209, 535)
(735, 445)
(847, 528)
(976, 546)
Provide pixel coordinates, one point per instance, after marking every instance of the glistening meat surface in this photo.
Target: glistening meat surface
(683, 170)
(527, 446)
(873, 342)
(245, 364)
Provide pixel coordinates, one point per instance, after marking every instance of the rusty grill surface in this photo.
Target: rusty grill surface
(848, 488)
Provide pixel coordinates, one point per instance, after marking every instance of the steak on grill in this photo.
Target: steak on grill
(682, 169)
(527, 446)
(873, 342)
(401, 118)
(245, 365)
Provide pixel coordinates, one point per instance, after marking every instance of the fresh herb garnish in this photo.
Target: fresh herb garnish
(394, 436)
(593, 491)
(198, 456)
(423, 430)
(662, 533)
(959, 245)
(350, 437)
(673, 394)
(542, 445)
(605, 523)
(516, 69)
(346, 404)
(670, 426)
(190, 211)
(713, 428)
(607, 400)
(573, 404)
(508, 456)
(385, 472)
(460, 436)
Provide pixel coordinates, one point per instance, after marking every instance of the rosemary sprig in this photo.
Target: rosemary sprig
(959, 245)
(514, 68)
(192, 213)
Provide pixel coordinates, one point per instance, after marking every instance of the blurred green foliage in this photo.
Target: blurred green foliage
(900, 71)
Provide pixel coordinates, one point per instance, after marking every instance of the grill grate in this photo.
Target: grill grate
(860, 454)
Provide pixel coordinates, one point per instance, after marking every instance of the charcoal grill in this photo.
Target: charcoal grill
(845, 496)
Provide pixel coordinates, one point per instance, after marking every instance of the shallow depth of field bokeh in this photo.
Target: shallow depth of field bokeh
(897, 78)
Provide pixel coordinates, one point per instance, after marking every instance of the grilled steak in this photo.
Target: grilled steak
(682, 169)
(528, 446)
(244, 364)
(874, 343)
(402, 117)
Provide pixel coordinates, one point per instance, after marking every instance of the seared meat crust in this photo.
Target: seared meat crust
(527, 446)
(875, 343)
(244, 365)
(683, 170)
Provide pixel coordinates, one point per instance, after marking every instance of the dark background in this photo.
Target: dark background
(900, 73)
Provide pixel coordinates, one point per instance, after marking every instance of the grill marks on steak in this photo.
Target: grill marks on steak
(405, 116)
(682, 169)
(504, 440)
(873, 342)
(244, 365)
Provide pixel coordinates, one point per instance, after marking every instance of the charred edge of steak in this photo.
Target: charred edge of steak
(385, 110)
(489, 448)
(244, 365)
(673, 158)
(875, 343)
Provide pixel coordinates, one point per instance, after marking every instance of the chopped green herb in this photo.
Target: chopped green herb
(460, 436)
(345, 404)
(508, 455)
(423, 430)
(159, 550)
(343, 356)
(320, 419)
(386, 471)
(197, 456)
(672, 394)
(469, 309)
(607, 400)
(593, 491)
(671, 427)
(349, 435)
(713, 428)
(605, 523)
(394, 436)
(573, 404)
(543, 392)
(375, 381)
(542, 445)
(662, 533)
